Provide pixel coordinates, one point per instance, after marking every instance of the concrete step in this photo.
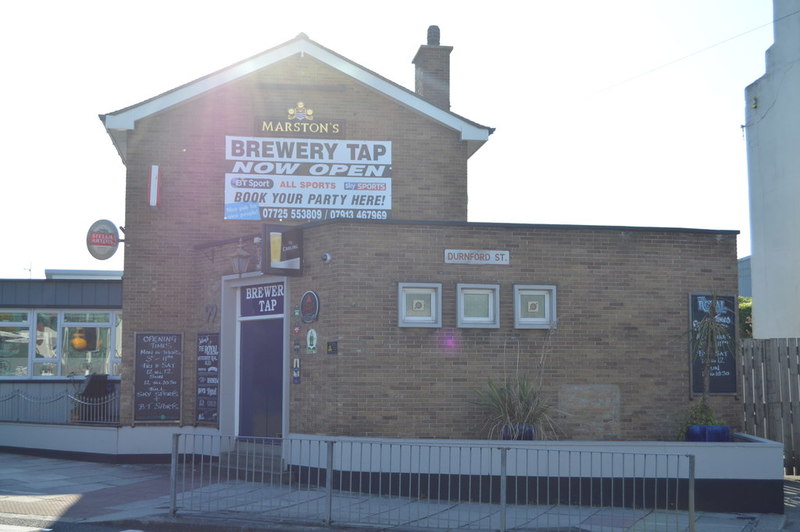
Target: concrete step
(255, 461)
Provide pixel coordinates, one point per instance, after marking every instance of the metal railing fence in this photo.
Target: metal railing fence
(59, 408)
(484, 485)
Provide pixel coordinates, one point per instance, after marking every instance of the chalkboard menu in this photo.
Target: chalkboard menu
(208, 378)
(723, 366)
(157, 376)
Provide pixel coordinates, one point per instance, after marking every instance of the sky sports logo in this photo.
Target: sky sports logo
(377, 187)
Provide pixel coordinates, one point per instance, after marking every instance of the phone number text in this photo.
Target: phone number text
(320, 214)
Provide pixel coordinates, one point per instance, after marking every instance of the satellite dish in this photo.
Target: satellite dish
(102, 240)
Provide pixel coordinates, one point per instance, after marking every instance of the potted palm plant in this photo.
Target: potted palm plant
(709, 336)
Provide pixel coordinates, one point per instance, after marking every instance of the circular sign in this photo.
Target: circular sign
(309, 307)
(102, 239)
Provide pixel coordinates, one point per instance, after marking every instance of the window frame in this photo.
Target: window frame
(434, 290)
(550, 318)
(112, 361)
(34, 359)
(492, 320)
(23, 326)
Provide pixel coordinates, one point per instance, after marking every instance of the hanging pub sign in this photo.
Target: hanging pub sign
(283, 250)
(262, 300)
(102, 240)
(722, 368)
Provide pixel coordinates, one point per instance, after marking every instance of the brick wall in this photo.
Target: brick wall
(616, 367)
(169, 284)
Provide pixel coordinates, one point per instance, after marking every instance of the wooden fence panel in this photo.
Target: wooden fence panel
(793, 404)
(784, 355)
(758, 395)
(746, 358)
(771, 393)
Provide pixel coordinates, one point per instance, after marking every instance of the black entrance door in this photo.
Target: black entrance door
(261, 377)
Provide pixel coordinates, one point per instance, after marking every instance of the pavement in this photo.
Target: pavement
(40, 493)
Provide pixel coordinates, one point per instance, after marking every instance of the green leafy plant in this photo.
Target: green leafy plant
(745, 317)
(516, 400)
(699, 414)
(514, 403)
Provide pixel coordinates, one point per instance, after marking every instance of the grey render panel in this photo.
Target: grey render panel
(60, 293)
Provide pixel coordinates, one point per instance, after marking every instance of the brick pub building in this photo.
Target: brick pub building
(298, 260)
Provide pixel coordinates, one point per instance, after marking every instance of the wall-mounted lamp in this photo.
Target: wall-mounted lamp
(240, 259)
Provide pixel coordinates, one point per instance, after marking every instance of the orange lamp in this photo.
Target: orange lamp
(78, 341)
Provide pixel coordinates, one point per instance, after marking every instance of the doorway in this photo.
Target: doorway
(261, 377)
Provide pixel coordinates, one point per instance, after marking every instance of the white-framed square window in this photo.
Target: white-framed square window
(534, 306)
(478, 305)
(419, 304)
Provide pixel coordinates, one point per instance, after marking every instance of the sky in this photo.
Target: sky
(621, 112)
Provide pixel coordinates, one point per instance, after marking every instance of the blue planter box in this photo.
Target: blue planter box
(518, 432)
(715, 433)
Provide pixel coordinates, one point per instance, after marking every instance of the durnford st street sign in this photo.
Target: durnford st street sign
(476, 256)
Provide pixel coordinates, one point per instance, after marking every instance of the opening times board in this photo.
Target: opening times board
(157, 380)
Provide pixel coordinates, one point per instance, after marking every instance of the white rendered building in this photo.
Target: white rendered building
(773, 154)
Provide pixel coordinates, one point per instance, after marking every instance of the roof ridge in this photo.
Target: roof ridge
(117, 122)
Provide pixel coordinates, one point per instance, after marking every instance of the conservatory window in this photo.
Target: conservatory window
(14, 335)
(60, 343)
(45, 349)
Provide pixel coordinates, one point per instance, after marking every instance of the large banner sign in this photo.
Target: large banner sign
(307, 179)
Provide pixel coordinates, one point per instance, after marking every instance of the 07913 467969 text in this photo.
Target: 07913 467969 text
(282, 213)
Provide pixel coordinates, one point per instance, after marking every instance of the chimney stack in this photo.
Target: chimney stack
(433, 71)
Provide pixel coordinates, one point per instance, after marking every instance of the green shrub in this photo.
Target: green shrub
(745, 317)
(700, 413)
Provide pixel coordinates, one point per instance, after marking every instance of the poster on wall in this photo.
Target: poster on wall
(157, 377)
(307, 179)
(208, 378)
(723, 365)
